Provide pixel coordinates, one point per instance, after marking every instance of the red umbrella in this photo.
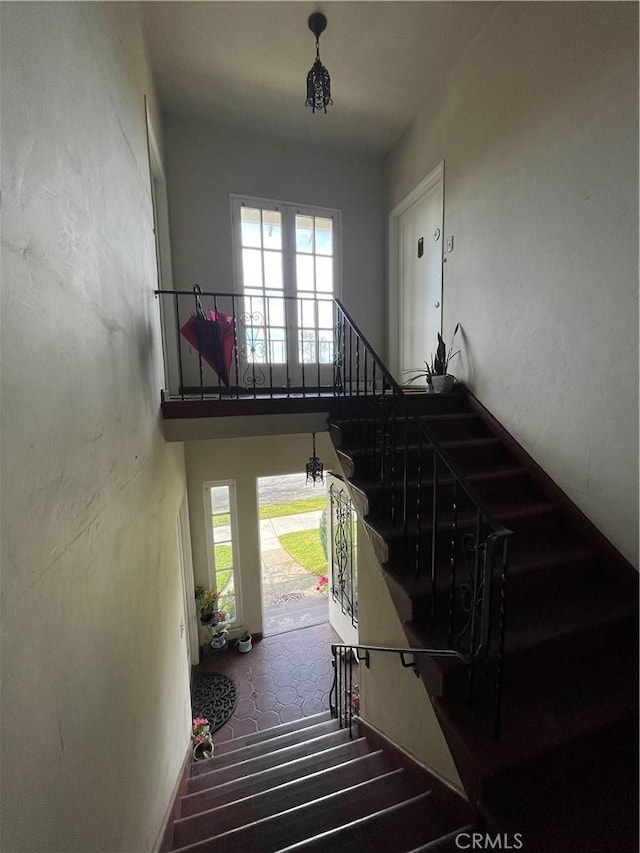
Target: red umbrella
(211, 333)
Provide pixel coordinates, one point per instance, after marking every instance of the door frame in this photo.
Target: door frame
(395, 262)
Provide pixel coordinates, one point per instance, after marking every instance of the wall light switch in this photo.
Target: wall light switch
(450, 243)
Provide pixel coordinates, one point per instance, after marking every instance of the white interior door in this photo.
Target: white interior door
(416, 234)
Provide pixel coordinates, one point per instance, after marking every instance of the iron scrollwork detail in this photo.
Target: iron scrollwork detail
(470, 593)
(344, 585)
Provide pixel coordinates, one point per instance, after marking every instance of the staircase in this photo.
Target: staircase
(562, 669)
(308, 786)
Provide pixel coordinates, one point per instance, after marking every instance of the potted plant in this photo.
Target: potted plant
(436, 371)
(244, 642)
(201, 739)
(207, 605)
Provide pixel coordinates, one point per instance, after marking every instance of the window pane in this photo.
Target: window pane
(271, 229)
(307, 346)
(304, 234)
(273, 270)
(325, 314)
(223, 556)
(251, 268)
(277, 346)
(307, 313)
(275, 312)
(219, 499)
(304, 272)
(324, 236)
(325, 346)
(250, 226)
(324, 275)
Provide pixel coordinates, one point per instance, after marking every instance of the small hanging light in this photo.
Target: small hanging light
(318, 80)
(315, 468)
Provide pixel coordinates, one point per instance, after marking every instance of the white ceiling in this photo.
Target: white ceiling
(245, 63)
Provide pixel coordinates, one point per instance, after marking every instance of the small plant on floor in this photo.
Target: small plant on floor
(201, 738)
(206, 602)
(439, 364)
(323, 585)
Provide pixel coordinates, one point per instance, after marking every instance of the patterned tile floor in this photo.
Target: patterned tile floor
(282, 678)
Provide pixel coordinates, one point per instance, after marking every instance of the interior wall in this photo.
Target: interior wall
(206, 163)
(95, 684)
(392, 698)
(538, 129)
(243, 460)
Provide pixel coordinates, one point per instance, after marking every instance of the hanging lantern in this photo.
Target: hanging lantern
(315, 468)
(318, 79)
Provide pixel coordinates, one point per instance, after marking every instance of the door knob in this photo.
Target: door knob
(437, 304)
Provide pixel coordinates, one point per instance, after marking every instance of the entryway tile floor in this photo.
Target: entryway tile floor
(282, 678)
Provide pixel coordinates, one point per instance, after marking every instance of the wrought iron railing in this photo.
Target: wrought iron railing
(277, 345)
(439, 522)
(344, 562)
(344, 696)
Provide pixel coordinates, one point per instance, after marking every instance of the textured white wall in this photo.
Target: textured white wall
(205, 163)
(538, 128)
(95, 697)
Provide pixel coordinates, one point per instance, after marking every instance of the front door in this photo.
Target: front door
(419, 241)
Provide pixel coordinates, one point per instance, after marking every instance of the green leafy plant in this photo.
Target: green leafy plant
(439, 363)
(206, 600)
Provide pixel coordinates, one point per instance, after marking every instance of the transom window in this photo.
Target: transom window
(287, 269)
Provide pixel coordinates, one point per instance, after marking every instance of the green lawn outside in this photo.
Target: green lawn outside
(305, 548)
(281, 509)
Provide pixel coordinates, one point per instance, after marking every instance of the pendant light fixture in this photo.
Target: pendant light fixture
(315, 468)
(318, 80)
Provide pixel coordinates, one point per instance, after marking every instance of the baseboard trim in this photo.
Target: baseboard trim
(165, 838)
(452, 798)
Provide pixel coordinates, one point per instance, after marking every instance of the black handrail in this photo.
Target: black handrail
(387, 442)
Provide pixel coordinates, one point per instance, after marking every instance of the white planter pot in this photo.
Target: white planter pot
(442, 383)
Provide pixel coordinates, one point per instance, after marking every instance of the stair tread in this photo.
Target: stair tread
(261, 762)
(262, 747)
(268, 834)
(297, 791)
(273, 732)
(269, 777)
(399, 827)
(414, 446)
(495, 472)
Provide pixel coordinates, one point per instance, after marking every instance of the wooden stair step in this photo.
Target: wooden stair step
(279, 798)
(417, 821)
(261, 780)
(263, 747)
(262, 762)
(534, 733)
(270, 834)
(273, 732)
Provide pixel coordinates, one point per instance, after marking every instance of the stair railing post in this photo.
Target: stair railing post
(452, 560)
(434, 534)
(501, 638)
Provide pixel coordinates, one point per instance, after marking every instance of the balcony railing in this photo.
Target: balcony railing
(276, 345)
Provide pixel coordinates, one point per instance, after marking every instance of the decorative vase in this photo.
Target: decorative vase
(203, 750)
(218, 642)
(244, 645)
(442, 384)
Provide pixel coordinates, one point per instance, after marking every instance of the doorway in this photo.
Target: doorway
(416, 240)
(293, 525)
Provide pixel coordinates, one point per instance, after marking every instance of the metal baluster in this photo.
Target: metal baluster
(350, 694)
(196, 291)
(405, 469)
(434, 534)
(315, 303)
(340, 694)
(373, 418)
(452, 560)
(301, 343)
(180, 373)
(267, 340)
(235, 345)
(333, 705)
(287, 348)
(474, 603)
(501, 640)
(418, 546)
(215, 308)
(365, 430)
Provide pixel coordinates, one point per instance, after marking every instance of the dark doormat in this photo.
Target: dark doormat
(213, 696)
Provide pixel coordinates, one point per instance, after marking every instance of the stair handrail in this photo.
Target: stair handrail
(486, 546)
(471, 492)
(341, 707)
